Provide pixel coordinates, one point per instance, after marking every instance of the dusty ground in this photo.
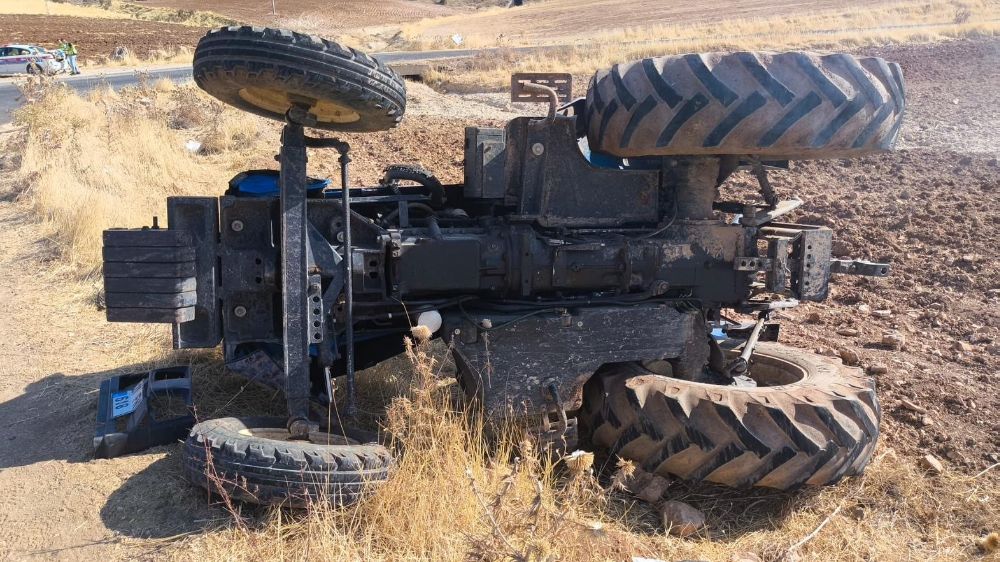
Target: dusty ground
(930, 209)
(98, 37)
(555, 20)
(341, 13)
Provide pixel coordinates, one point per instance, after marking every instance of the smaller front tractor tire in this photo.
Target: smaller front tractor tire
(255, 460)
(269, 71)
(810, 421)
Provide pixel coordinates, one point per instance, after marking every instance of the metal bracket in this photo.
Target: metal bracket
(561, 83)
(743, 263)
(859, 267)
(766, 189)
(741, 364)
(316, 309)
(767, 215)
(562, 434)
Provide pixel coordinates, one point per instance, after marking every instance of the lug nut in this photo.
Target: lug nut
(240, 311)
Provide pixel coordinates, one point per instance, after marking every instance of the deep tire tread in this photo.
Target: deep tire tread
(814, 431)
(230, 58)
(220, 458)
(787, 105)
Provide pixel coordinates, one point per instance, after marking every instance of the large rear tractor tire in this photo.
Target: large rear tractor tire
(268, 71)
(781, 105)
(254, 460)
(810, 421)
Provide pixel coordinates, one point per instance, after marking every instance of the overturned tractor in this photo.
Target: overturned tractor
(582, 274)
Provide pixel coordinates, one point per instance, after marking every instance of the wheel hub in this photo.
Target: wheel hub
(279, 102)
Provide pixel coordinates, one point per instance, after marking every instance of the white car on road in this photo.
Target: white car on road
(31, 59)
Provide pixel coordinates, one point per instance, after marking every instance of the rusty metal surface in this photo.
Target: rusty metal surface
(510, 367)
(560, 82)
(258, 367)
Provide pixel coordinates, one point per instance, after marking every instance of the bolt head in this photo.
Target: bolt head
(340, 236)
(240, 311)
(237, 226)
(538, 149)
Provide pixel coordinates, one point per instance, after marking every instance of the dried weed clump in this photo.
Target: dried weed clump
(463, 491)
(112, 158)
(459, 491)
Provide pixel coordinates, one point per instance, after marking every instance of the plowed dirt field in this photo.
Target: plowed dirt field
(98, 37)
(342, 14)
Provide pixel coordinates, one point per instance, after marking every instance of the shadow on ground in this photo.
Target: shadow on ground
(52, 419)
(157, 502)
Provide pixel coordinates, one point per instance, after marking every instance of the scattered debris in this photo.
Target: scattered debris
(926, 421)
(964, 347)
(894, 340)
(596, 527)
(643, 485)
(681, 519)
(849, 332)
(932, 464)
(878, 369)
(912, 407)
(193, 146)
(648, 487)
(849, 356)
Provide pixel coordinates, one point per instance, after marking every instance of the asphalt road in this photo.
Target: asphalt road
(11, 99)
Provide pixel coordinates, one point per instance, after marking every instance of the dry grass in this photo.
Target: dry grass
(197, 18)
(111, 159)
(458, 494)
(831, 29)
(561, 22)
(178, 55)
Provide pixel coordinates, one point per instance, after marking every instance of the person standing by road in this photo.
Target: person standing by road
(70, 50)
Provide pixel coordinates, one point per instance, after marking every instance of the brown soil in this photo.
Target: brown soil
(930, 209)
(565, 19)
(343, 14)
(98, 37)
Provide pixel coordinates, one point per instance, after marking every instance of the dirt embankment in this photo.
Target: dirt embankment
(98, 37)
